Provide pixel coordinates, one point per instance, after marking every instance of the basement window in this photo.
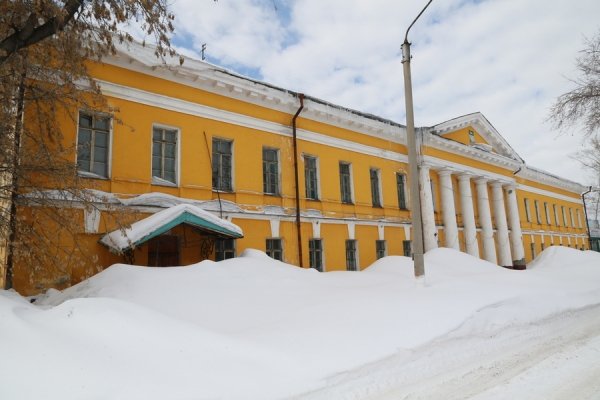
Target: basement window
(274, 249)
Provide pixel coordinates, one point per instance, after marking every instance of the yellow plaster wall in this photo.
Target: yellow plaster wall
(130, 173)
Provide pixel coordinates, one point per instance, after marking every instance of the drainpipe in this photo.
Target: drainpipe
(295, 141)
(587, 224)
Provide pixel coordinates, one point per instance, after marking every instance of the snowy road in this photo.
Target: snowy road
(556, 358)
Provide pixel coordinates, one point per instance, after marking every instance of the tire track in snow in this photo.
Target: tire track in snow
(485, 365)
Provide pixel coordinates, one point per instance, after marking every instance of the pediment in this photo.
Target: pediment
(476, 131)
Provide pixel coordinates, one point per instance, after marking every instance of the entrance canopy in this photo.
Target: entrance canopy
(140, 232)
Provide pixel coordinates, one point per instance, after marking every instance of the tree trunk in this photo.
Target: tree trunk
(16, 160)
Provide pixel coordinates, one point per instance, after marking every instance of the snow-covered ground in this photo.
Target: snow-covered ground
(255, 328)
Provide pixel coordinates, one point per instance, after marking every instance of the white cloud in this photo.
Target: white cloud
(506, 58)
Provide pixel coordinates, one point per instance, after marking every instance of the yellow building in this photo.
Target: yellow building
(199, 135)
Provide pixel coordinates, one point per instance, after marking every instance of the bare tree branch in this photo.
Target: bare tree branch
(581, 105)
(32, 32)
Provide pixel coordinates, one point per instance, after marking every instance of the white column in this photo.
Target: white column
(514, 222)
(504, 256)
(468, 216)
(429, 230)
(485, 220)
(448, 209)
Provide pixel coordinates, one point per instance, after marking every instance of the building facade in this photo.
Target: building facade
(308, 182)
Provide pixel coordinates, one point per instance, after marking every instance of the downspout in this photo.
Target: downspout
(587, 224)
(295, 143)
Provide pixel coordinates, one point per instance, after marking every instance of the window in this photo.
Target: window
(532, 248)
(380, 249)
(543, 246)
(270, 171)
(315, 254)
(351, 263)
(547, 213)
(555, 214)
(221, 164)
(407, 248)
(164, 155)
(564, 215)
(92, 144)
(401, 185)
(274, 249)
(432, 185)
(571, 217)
(311, 179)
(578, 218)
(224, 249)
(375, 193)
(471, 137)
(536, 205)
(527, 212)
(345, 183)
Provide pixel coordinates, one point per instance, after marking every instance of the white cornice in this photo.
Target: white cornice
(456, 168)
(199, 110)
(438, 142)
(551, 180)
(547, 193)
(210, 78)
(205, 76)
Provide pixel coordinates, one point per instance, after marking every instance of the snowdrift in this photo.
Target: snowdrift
(255, 328)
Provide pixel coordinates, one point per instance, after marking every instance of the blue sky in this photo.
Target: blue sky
(508, 59)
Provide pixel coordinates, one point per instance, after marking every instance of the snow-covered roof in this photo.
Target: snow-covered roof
(159, 223)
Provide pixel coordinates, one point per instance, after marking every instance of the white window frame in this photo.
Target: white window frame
(379, 187)
(323, 269)
(527, 211)
(318, 172)
(278, 153)
(234, 241)
(404, 189)
(385, 248)
(571, 217)
(87, 174)
(546, 210)
(282, 247)
(156, 180)
(538, 216)
(230, 140)
(351, 173)
(433, 189)
(356, 259)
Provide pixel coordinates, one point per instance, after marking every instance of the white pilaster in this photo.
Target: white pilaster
(468, 216)
(485, 220)
(514, 222)
(504, 256)
(429, 230)
(448, 209)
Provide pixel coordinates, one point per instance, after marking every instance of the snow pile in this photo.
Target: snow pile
(255, 328)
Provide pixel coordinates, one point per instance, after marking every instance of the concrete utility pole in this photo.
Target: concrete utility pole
(413, 167)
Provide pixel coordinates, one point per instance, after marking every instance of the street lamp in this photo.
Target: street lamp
(587, 223)
(413, 167)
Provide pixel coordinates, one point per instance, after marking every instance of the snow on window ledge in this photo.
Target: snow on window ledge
(87, 174)
(162, 182)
